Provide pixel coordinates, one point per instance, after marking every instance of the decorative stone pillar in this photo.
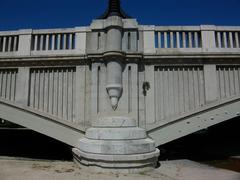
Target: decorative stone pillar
(114, 81)
(113, 56)
(115, 144)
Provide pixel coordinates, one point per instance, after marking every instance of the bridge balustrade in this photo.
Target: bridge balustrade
(156, 40)
(227, 38)
(188, 38)
(191, 39)
(8, 43)
(50, 41)
(30, 42)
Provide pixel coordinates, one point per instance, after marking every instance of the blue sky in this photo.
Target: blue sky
(38, 14)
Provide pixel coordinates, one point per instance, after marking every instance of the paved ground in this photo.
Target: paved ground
(189, 170)
(11, 169)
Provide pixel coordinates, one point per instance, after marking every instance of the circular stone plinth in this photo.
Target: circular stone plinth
(117, 163)
(117, 145)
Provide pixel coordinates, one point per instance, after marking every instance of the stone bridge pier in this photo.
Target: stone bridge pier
(116, 90)
(115, 142)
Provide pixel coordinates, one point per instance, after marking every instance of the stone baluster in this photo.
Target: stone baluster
(9, 43)
(196, 40)
(178, 39)
(64, 43)
(35, 42)
(4, 43)
(159, 40)
(225, 40)
(58, 41)
(184, 39)
(190, 43)
(219, 42)
(53, 42)
(41, 42)
(165, 40)
(15, 45)
(171, 40)
(231, 39)
(237, 40)
(47, 42)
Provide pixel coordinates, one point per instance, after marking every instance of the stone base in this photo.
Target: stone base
(117, 163)
(115, 144)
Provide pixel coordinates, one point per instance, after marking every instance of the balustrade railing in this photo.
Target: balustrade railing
(8, 42)
(43, 42)
(178, 38)
(52, 41)
(227, 38)
(156, 39)
(191, 39)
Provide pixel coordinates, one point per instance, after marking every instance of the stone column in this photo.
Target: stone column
(114, 81)
(115, 143)
(113, 55)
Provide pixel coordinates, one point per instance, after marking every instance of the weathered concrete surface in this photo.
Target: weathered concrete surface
(58, 170)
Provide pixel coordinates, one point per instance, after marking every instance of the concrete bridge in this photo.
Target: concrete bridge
(115, 90)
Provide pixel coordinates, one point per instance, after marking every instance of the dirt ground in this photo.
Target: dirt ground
(12, 169)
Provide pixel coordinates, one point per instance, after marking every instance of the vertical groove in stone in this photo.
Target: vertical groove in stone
(51, 91)
(228, 81)
(72, 100)
(129, 89)
(8, 83)
(98, 88)
(178, 90)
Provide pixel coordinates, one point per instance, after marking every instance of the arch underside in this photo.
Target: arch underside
(68, 133)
